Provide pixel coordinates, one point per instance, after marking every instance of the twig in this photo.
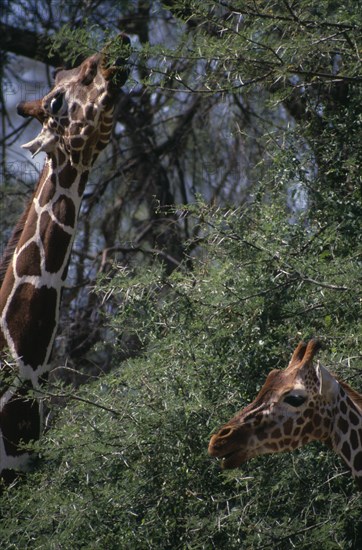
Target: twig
(304, 530)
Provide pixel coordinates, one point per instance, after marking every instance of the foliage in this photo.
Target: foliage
(126, 465)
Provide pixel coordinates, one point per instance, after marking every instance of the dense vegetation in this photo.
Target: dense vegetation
(230, 208)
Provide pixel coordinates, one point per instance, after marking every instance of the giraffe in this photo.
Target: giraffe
(305, 402)
(77, 121)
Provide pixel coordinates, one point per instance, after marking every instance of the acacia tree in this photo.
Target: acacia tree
(125, 464)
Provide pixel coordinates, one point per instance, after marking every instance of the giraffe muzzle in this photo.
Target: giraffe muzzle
(229, 445)
(31, 109)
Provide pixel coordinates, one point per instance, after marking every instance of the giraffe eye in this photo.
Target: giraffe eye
(295, 400)
(57, 104)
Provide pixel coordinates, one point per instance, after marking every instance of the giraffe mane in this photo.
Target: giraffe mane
(13, 241)
(352, 394)
(15, 236)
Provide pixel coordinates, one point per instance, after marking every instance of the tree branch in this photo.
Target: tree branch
(29, 44)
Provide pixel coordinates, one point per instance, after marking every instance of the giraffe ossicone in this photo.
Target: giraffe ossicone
(303, 403)
(77, 121)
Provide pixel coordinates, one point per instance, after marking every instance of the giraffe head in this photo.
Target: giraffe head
(77, 114)
(294, 407)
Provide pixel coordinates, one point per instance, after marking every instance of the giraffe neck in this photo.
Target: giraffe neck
(346, 435)
(29, 304)
(31, 291)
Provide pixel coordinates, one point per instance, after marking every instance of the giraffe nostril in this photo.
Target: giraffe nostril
(225, 432)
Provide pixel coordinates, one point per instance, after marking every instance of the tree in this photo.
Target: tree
(126, 463)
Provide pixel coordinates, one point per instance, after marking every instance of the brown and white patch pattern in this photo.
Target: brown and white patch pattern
(77, 120)
(294, 407)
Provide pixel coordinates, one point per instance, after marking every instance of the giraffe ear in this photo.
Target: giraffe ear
(328, 385)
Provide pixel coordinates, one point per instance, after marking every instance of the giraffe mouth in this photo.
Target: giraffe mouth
(230, 446)
(233, 460)
(228, 459)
